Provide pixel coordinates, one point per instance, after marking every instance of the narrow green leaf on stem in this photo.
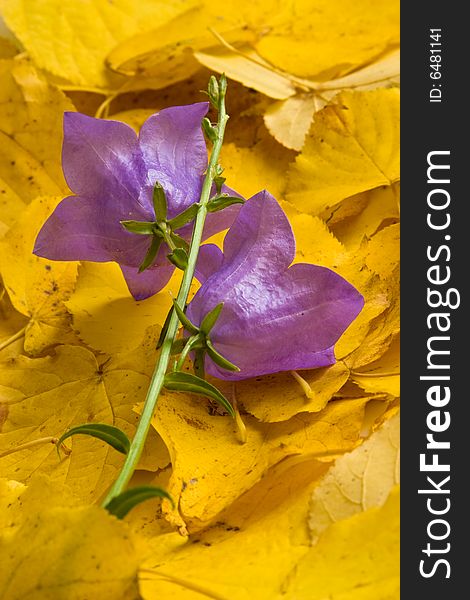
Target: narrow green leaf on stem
(151, 253)
(185, 322)
(107, 433)
(159, 202)
(140, 227)
(184, 218)
(223, 201)
(120, 505)
(219, 359)
(210, 319)
(164, 330)
(186, 382)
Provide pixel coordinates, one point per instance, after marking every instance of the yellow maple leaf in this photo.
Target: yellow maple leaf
(69, 551)
(325, 40)
(268, 524)
(106, 317)
(369, 212)
(382, 375)
(43, 397)
(358, 480)
(203, 488)
(71, 41)
(30, 137)
(353, 146)
(12, 324)
(37, 287)
(355, 559)
(278, 397)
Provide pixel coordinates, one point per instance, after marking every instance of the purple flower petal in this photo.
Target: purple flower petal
(275, 318)
(209, 261)
(149, 282)
(102, 159)
(83, 228)
(175, 153)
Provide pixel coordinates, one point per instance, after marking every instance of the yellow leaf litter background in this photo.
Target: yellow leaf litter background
(307, 508)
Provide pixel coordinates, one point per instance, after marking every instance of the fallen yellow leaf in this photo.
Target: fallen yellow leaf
(353, 146)
(324, 40)
(359, 480)
(355, 559)
(382, 375)
(71, 41)
(44, 397)
(30, 137)
(203, 488)
(37, 287)
(229, 561)
(106, 317)
(279, 397)
(67, 551)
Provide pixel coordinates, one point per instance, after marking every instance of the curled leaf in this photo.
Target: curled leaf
(107, 433)
(120, 505)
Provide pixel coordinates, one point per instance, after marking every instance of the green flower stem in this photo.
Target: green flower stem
(158, 376)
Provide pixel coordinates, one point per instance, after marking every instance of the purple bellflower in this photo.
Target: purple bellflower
(275, 317)
(112, 173)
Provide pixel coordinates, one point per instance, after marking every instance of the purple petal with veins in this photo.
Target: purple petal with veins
(276, 317)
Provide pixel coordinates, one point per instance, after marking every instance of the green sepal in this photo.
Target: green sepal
(178, 346)
(219, 182)
(219, 359)
(186, 382)
(179, 242)
(164, 330)
(222, 86)
(222, 201)
(185, 322)
(107, 433)
(185, 217)
(160, 205)
(151, 253)
(179, 258)
(209, 129)
(198, 363)
(213, 91)
(140, 227)
(120, 505)
(210, 319)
